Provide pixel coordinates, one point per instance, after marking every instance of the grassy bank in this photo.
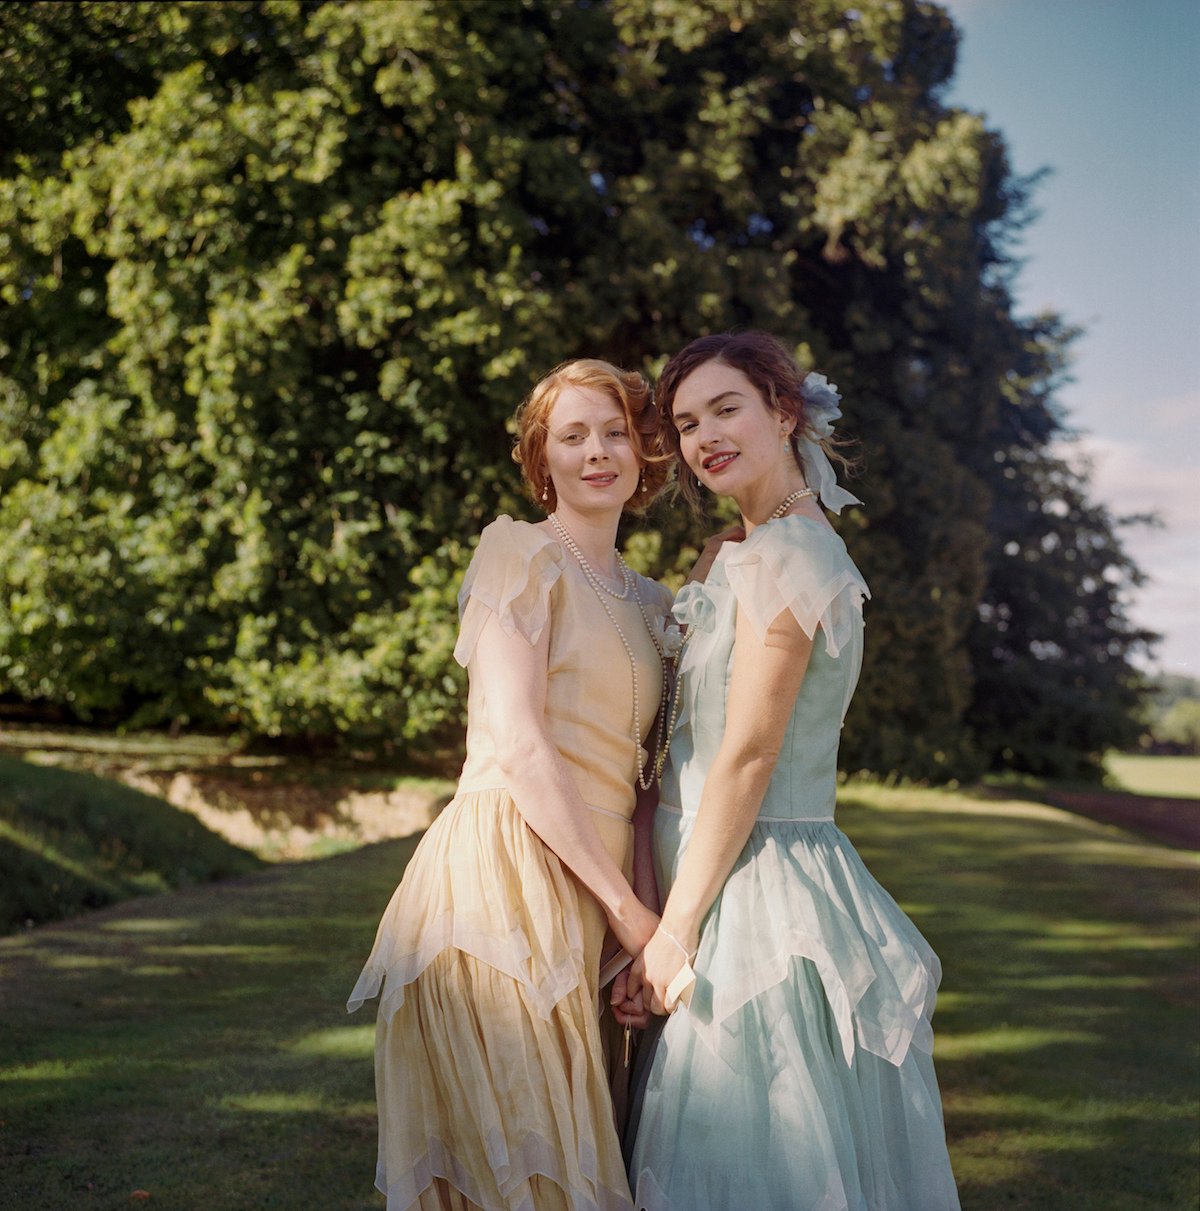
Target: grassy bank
(281, 807)
(71, 841)
(194, 1046)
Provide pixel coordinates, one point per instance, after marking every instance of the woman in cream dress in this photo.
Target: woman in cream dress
(490, 1074)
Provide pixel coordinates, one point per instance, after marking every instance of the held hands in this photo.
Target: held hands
(630, 1011)
(633, 924)
(654, 970)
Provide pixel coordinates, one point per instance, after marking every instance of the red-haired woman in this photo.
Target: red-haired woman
(490, 1075)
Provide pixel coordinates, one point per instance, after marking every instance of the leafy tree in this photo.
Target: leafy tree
(1180, 727)
(1054, 686)
(1170, 715)
(282, 271)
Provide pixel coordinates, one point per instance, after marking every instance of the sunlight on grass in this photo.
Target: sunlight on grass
(988, 1166)
(951, 999)
(1089, 1112)
(1080, 983)
(1015, 1104)
(1001, 1147)
(149, 925)
(327, 847)
(1065, 1027)
(952, 803)
(1006, 1040)
(1107, 942)
(49, 1070)
(27, 740)
(79, 962)
(226, 951)
(51, 854)
(1109, 930)
(342, 1041)
(275, 1103)
(1133, 853)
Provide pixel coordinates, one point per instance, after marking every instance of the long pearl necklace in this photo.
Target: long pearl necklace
(654, 765)
(672, 716)
(786, 503)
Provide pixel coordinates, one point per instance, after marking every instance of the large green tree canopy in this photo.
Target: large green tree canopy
(275, 275)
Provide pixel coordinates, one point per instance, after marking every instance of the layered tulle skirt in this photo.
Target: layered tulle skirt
(800, 1078)
(491, 1082)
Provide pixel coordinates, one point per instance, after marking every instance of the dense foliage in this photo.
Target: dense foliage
(276, 274)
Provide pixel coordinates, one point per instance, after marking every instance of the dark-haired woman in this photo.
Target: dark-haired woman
(490, 1075)
(795, 1073)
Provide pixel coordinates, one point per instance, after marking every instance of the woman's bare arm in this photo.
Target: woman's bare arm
(512, 676)
(765, 679)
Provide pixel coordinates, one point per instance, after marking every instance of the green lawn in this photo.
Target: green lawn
(194, 1045)
(1066, 1026)
(1172, 776)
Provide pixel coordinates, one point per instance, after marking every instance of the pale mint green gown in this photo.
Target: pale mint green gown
(801, 1077)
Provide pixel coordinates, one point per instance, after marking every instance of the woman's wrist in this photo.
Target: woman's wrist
(628, 913)
(686, 951)
(681, 930)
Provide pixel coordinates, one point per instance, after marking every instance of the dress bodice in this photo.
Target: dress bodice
(521, 574)
(793, 563)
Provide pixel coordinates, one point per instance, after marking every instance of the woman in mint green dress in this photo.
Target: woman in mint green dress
(795, 1073)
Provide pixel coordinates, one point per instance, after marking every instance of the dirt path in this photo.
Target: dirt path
(1170, 821)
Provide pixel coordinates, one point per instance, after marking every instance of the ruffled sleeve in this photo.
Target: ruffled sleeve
(798, 564)
(511, 574)
(658, 598)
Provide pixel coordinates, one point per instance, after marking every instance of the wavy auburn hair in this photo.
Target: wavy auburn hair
(626, 388)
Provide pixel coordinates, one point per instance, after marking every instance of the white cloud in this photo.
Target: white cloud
(1153, 471)
(1135, 476)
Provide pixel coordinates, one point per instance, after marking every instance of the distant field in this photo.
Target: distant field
(1171, 776)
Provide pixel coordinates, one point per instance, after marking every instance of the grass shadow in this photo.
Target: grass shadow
(1066, 1040)
(196, 1046)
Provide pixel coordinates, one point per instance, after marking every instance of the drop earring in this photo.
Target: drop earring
(545, 490)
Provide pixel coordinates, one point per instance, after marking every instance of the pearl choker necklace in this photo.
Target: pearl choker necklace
(790, 499)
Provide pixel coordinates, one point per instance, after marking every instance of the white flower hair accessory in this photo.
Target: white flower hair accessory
(821, 400)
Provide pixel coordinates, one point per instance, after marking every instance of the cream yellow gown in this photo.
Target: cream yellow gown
(490, 1071)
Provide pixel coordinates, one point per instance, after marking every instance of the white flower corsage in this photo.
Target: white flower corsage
(669, 634)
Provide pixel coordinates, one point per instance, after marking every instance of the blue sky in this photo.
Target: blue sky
(1106, 93)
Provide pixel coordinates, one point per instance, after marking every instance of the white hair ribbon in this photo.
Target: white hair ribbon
(821, 400)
